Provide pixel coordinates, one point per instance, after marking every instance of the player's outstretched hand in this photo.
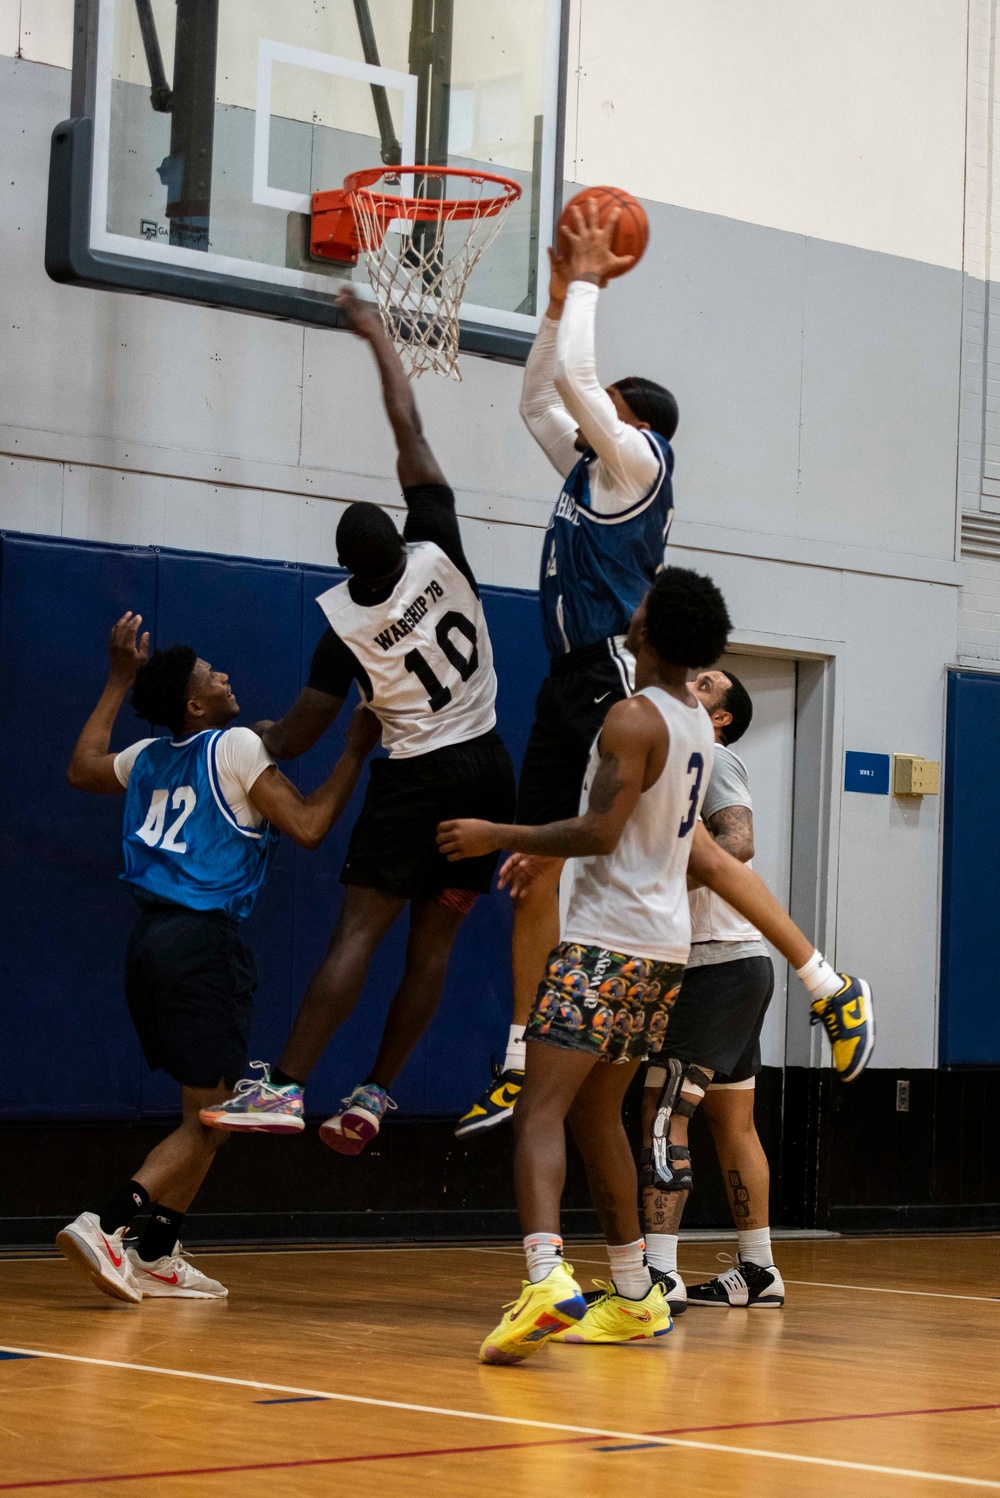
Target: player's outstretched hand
(519, 872)
(363, 731)
(467, 838)
(589, 242)
(127, 648)
(363, 318)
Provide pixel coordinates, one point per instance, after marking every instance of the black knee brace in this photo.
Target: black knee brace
(657, 1165)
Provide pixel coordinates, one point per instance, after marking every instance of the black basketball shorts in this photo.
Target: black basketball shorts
(393, 847)
(189, 981)
(718, 1016)
(571, 706)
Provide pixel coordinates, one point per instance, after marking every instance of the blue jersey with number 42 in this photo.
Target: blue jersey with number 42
(596, 569)
(180, 838)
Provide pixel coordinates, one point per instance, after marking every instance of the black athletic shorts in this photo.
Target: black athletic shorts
(189, 980)
(570, 708)
(393, 847)
(718, 1016)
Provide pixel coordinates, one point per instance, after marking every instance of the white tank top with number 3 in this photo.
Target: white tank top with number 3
(426, 654)
(635, 899)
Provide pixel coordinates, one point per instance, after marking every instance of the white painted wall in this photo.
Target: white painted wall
(845, 121)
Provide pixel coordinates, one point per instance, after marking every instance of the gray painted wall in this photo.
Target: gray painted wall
(816, 473)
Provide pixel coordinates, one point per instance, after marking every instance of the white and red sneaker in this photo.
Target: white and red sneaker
(101, 1256)
(358, 1121)
(173, 1276)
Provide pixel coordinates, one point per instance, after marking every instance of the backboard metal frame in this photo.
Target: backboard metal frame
(80, 250)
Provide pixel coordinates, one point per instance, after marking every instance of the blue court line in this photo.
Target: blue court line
(11, 1357)
(301, 1399)
(639, 1446)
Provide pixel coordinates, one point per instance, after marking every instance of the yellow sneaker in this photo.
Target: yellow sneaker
(542, 1309)
(612, 1318)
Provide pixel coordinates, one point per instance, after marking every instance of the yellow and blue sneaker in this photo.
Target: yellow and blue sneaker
(495, 1106)
(850, 1023)
(613, 1318)
(540, 1311)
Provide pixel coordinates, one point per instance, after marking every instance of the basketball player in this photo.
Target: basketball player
(408, 626)
(203, 807)
(712, 1050)
(604, 545)
(609, 985)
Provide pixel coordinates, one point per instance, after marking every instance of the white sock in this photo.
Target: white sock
(516, 1051)
(755, 1247)
(543, 1251)
(661, 1252)
(629, 1269)
(819, 977)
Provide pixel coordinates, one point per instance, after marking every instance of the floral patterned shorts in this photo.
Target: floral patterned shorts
(611, 1005)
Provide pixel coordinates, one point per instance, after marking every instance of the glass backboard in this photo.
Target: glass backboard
(203, 127)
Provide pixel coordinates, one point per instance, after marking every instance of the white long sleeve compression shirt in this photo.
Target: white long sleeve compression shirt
(562, 394)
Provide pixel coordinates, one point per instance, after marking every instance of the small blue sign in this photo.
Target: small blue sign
(866, 772)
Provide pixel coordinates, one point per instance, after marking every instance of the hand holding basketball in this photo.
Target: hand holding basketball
(590, 254)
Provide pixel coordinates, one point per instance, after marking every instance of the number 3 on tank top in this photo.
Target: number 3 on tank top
(183, 800)
(696, 767)
(439, 696)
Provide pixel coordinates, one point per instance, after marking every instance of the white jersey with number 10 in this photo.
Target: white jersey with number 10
(425, 653)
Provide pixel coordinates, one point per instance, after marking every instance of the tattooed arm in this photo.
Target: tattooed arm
(633, 750)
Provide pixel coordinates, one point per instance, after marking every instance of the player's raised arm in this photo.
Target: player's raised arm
(633, 735)
(542, 409)
(415, 463)
(92, 768)
(620, 445)
(308, 819)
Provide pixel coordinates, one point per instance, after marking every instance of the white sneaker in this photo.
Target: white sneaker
(102, 1258)
(673, 1288)
(174, 1276)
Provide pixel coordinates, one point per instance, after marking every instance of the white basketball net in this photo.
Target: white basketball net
(419, 267)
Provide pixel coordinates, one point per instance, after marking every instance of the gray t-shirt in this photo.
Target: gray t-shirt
(718, 933)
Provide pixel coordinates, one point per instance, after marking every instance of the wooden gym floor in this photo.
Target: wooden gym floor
(880, 1377)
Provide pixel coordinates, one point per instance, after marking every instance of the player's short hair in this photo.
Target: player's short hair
(650, 402)
(162, 686)
(368, 543)
(737, 701)
(687, 622)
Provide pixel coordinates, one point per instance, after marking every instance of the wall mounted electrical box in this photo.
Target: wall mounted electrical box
(913, 776)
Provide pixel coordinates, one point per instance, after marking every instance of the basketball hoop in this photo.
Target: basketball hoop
(419, 247)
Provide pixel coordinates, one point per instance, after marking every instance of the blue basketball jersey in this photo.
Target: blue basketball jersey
(180, 838)
(596, 569)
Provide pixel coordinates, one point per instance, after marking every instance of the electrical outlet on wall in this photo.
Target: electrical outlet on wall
(902, 1097)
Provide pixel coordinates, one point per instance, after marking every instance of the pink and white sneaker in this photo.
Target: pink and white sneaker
(173, 1276)
(101, 1257)
(259, 1107)
(358, 1121)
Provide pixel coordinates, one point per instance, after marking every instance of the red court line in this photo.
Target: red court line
(397, 1456)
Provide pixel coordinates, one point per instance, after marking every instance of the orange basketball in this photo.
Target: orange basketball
(632, 234)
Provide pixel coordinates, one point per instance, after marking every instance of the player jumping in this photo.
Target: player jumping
(408, 626)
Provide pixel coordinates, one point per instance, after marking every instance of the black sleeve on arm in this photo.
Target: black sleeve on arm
(430, 516)
(334, 666)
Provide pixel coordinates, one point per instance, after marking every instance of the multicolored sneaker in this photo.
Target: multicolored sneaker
(850, 1024)
(496, 1104)
(614, 1318)
(358, 1121)
(173, 1276)
(747, 1286)
(100, 1256)
(540, 1311)
(259, 1107)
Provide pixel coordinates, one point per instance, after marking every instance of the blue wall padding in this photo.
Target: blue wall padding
(970, 907)
(66, 1040)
